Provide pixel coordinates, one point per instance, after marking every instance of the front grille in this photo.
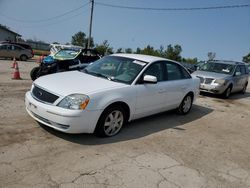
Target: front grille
(208, 80)
(43, 95)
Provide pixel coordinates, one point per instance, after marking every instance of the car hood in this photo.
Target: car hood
(213, 75)
(72, 82)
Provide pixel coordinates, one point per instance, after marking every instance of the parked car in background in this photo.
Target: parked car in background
(109, 92)
(9, 50)
(65, 60)
(189, 66)
(24, 45)
(223, 77)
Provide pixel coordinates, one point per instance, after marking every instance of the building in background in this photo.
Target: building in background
(7, 35)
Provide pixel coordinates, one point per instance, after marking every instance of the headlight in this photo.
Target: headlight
(220, 81)
(74, 102)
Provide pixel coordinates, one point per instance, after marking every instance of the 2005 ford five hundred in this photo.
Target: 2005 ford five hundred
(110, 92)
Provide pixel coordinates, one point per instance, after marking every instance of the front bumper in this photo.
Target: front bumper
(215, 89)
(64, 120)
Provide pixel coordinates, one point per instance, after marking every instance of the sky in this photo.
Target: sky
(223, 31)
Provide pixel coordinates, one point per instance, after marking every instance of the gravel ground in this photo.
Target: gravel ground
(210, 147)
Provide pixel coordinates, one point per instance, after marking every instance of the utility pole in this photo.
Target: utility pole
(90, 22)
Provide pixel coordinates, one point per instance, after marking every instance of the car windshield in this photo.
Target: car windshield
(114, 68)
(66, 54)
(217, 67)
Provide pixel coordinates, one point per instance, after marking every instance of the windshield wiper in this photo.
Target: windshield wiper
(111, 78)
(97, 74)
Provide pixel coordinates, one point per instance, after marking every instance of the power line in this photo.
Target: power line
(46, 19)
(173, 9)
(53, 23)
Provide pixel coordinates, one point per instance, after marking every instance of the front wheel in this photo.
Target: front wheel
(186, 104)
(110, 122)
(227, 92)
(23, 58)
(34, 73)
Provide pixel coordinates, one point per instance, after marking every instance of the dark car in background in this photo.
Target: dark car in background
(65, 60)
(223, 77)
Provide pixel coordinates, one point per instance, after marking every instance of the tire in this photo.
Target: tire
(110, 122)
(227, 92)
(185, 105)
(23, 58)
(34, 73)
(244, 89)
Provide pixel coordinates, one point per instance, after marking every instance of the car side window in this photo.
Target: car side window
(237, 69)
(8, 47)
(17, 48)
(176, 72)
(242, 69)
(247, 69)
(156, 70)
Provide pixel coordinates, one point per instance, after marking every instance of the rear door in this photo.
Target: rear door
(236, 79)
(177, 84)
(244, 76)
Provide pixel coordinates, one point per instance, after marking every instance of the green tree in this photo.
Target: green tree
(173, 53)
(128, 51)
(138, 50)
(80, 39)
(104, 48)
(149, 50)
(190, 60)
(246, 58)
(119, 50)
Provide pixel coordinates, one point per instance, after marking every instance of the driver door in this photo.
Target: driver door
(150, 97)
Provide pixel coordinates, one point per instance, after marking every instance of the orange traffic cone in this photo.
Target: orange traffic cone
(40, 59)
(14, 63)
(16, 74)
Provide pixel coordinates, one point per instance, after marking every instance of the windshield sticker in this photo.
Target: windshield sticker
(139, 62)
(226, 70)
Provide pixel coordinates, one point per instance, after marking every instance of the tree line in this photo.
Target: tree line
(171, 52)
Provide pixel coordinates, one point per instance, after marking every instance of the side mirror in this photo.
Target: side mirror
(237, 73)
(149, 79)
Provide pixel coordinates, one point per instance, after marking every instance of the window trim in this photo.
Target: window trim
(181, 69)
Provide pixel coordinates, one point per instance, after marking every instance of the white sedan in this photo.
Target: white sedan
(110, 92)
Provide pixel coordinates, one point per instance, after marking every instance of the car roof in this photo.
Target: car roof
(141, 57)
(227, 62)
(24, 45)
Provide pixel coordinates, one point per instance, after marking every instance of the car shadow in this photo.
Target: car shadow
(138, 128)
(233, 96)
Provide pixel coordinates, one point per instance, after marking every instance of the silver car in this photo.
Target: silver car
(8, 50)
(223, 77)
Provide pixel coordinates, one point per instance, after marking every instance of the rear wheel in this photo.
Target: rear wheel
(23, 58)
(244, 89)
(111, 121)
(186, 104)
